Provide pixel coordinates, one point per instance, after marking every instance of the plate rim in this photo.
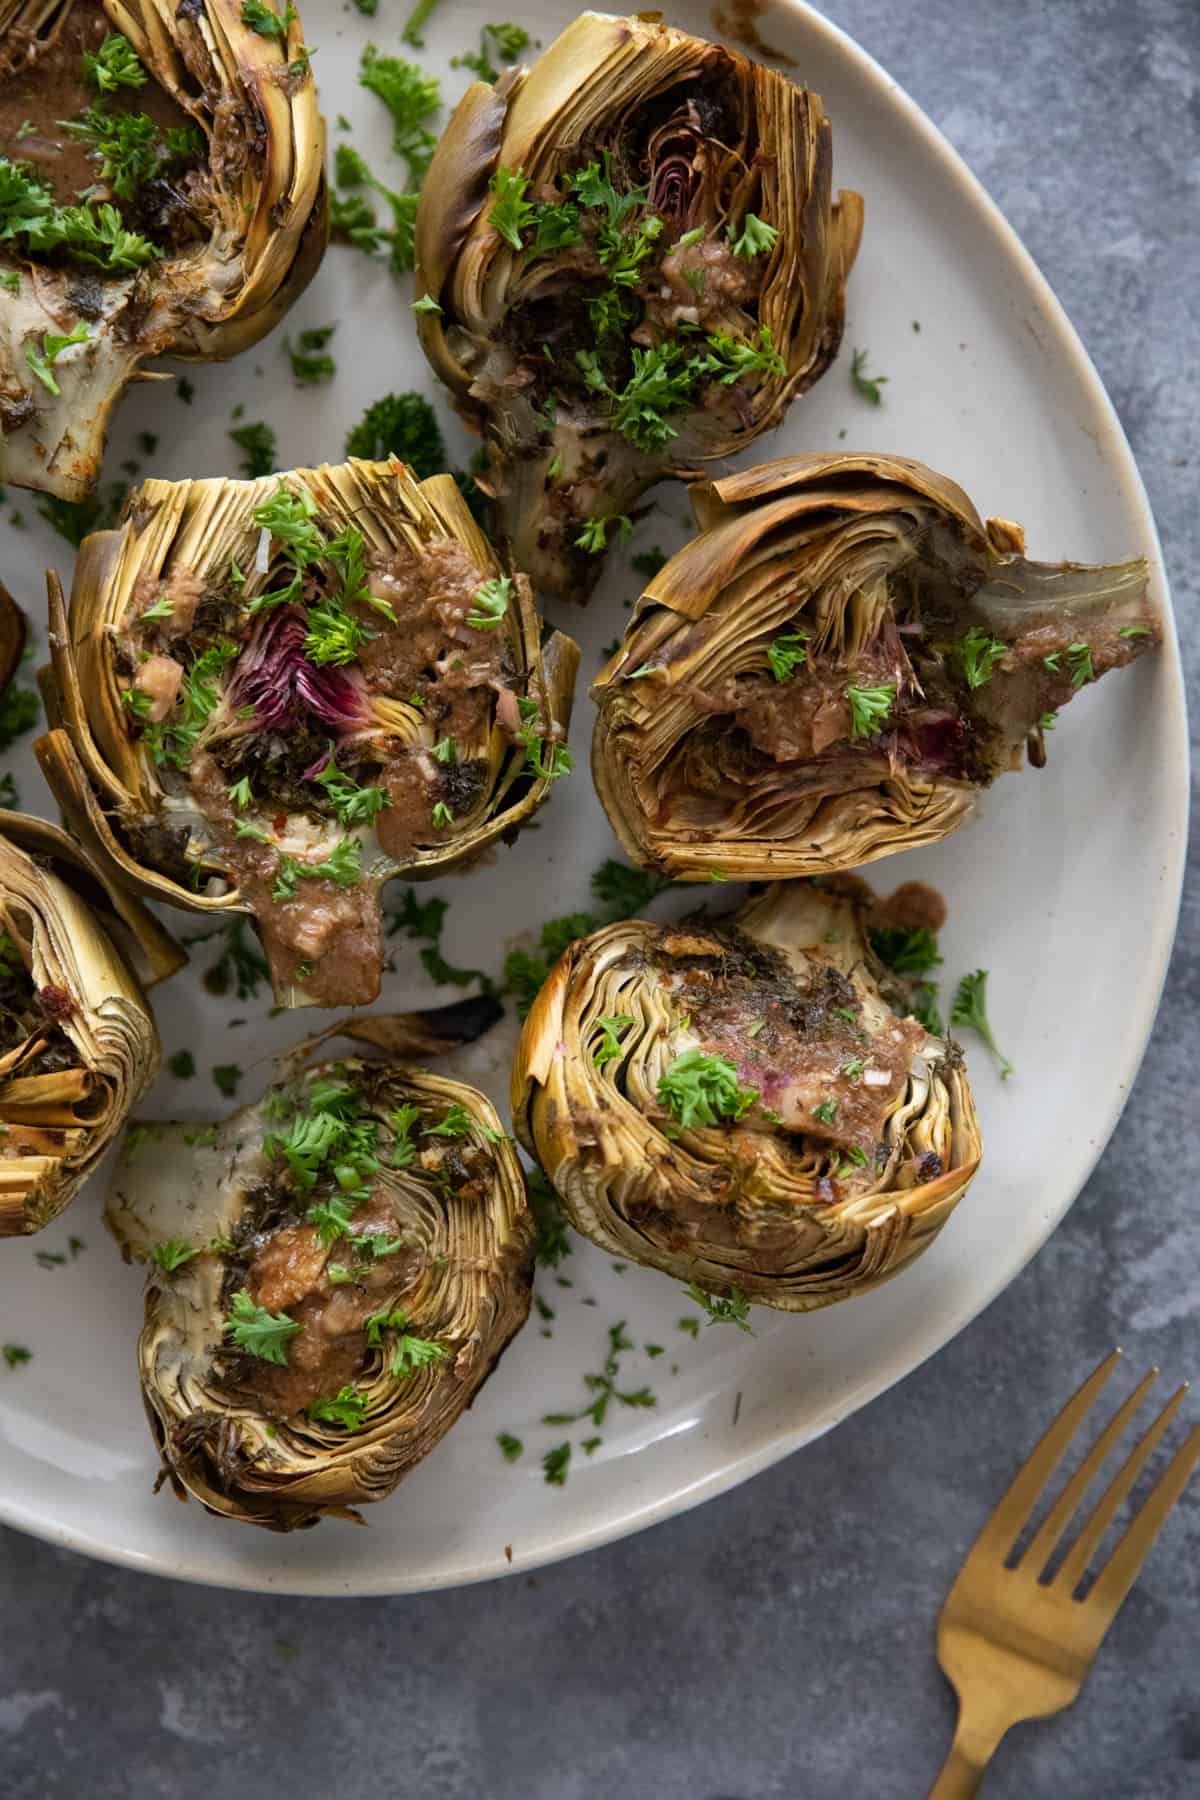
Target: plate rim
(775, 1443)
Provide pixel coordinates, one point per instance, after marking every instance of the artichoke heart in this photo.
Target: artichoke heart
(162, 192)
(829, 671)
(77, 1038)
(750, 1104)
(637, 261)
(271, 697)
(334, 1272)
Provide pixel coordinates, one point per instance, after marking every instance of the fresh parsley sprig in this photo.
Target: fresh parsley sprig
(732, 1310)
(968, 1010)
(259, 1332)
(701, 1089)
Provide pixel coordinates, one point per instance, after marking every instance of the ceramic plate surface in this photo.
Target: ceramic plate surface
(1065, 888)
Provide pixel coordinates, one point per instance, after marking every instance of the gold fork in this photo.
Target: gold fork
(1015, 1647)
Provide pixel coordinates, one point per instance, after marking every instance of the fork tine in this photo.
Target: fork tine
(1084, 1548)
(1122, 1568)
(1064, 1508)
(1004, 1527)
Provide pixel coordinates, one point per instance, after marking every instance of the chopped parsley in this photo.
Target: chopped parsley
(258, 445)
(182, 1065)
(869, 709)
(553, 1240)
(265, 21)
(426, 920)
(15, 1354)
(979, 653)
(403, 425)
(343, 865)
(175, 741)
(785, 654)
(348, 1408)
(755, 238)
(334, 636)
(94, 234)
(20, 710)
(259, 1332)
(732, 1311)
(352, 804)
(511, 213)
(127, 144)
(351, 217)
(42, 360)
(489, 604)
(907, 952)
(172, 1253)
(555, 1464)
(310, 360)
(114, 65)
(665, 377)
(240, 965)
(609, 1047)
(455, 1124)
(411, 97)
(625, 891)
(969, 1011)
(594, 536)
(869, 386)
(408, 1354)
(499, 46)
(225, 1078)
(826, 1112)
(327, 1138)
(1079, 659)
(699, 1089)
(649, 562)
(511, 1448)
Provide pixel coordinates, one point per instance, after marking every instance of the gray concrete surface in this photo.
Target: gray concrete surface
(777, 1642)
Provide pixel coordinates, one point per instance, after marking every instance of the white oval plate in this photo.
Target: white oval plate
(1066, 889)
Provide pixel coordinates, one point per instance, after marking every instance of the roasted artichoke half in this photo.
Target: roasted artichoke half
(334, 1271)
(275, 695)
(195, 142)
(77, 1038)
(829, 671)
(632, 260)
(749, 1103)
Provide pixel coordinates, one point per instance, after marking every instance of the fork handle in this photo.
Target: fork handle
(964, 1767)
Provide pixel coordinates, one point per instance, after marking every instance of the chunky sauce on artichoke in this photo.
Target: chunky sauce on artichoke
(819, 1065)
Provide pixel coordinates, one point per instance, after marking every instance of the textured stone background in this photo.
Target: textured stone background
(777, 1642)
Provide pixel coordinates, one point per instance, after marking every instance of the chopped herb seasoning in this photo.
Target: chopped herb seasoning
(869, 386)
(969, 1011)
(732, 1311)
